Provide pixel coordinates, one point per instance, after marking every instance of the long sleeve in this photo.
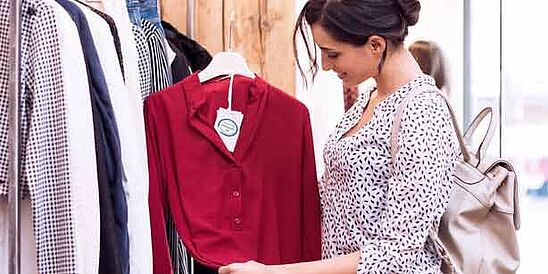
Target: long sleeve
(45, 145)
(83, 163)
(418, 191)
(311, 202)
(157, 198)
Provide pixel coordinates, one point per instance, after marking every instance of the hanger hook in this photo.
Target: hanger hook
(231, 29)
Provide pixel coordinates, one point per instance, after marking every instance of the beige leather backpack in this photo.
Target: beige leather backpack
(477, 233)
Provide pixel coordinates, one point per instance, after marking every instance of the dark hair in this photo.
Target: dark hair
(354, 21)
(430, 59)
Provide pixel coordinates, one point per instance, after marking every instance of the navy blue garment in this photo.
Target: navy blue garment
(202, 269)
(109, 252)
(114, 248)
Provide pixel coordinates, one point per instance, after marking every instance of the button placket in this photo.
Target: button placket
(234, 195)
(237, 223)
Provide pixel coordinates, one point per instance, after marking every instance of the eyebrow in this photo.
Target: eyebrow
(324, 48)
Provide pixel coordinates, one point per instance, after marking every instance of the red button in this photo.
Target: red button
(237, 221)
(236, 193)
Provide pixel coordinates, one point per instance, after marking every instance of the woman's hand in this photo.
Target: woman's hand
(345, 264)
(250, 267)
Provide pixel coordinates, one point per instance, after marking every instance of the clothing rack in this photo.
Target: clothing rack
(190, 18)
(14, 264)
(14, 216)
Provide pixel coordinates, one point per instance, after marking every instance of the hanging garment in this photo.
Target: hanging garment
(83, 163)
(262, 200)
(118, 11)
(107, 146)
(197, 56)
(128, 113)
(180, 259)
(161, 75)
(44, 139)
(132, 134)
(144, 63)
(114, 33)
(180, 68)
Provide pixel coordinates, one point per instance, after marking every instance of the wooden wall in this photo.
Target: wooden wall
(262, 33)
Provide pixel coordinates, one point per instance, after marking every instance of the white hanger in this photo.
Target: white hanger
(226, 63)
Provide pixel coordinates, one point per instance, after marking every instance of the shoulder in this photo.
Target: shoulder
(429, 101)
(426, 111)
(172, 96)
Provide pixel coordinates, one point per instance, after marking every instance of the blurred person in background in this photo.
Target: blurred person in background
(431, 61)
(542, 190)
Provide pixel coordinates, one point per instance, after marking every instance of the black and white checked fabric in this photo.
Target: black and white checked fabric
(4, 96)
(161, 74)
(144, 64)
(44, 134)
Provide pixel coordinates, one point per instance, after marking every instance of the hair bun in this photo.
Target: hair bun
(409, 10)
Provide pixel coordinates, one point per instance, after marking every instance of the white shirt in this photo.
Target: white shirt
(82, 144)
(83, 170)
(128, 111)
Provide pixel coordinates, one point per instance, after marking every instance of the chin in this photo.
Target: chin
(350, 83)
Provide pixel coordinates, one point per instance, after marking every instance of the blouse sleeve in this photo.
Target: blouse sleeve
(418, 191)
(157, 199)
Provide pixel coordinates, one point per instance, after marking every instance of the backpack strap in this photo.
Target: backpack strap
(482, 149)
(399, 112)
(447, 267)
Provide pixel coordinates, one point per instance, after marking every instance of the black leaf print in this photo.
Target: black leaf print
(369, 207)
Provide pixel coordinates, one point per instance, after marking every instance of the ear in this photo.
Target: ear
(377, 44)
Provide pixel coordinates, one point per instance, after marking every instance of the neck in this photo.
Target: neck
(399, 68)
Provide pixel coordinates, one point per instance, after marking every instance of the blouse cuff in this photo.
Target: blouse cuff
(374, 260)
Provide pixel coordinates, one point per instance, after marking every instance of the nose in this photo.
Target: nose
(326, 65)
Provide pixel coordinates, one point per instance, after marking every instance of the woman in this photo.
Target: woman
(431, 61)
(377, 212)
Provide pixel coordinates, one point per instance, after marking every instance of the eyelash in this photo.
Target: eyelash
(332, 55)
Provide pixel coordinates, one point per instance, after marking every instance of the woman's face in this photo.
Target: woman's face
(353, 64)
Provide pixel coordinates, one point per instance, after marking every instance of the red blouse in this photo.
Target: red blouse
(260, 202)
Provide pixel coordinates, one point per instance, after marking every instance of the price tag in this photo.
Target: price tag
(228, 125)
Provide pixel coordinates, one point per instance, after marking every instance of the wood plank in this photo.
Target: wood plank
(246, 36)
(174, 12)
(277, 21)
(262, 33)
(209, 24)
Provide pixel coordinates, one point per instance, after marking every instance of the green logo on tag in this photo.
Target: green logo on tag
(227, 127)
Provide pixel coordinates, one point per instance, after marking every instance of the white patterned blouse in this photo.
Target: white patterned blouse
(382, 211)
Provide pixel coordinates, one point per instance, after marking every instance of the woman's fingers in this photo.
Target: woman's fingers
(224, 269)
